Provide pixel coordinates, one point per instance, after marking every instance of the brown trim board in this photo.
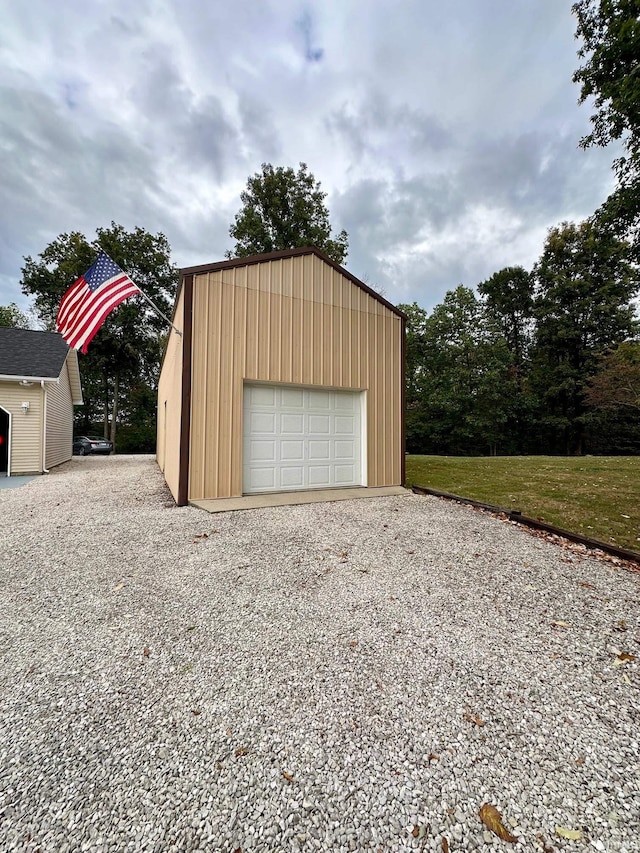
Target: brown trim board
(403, 400)
(185, 411)
(516, 515)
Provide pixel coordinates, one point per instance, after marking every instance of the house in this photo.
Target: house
(287, 376)
(39, 386)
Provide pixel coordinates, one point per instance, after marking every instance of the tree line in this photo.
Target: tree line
(546, 361)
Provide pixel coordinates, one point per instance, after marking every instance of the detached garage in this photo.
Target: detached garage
(287, 377)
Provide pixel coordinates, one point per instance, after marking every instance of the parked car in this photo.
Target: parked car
(83, 445)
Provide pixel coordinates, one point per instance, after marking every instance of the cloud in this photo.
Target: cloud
(445, 136)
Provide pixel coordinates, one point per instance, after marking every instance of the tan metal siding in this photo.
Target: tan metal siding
(59, 420)
(170, 405)
(26, 429)
(294, 320)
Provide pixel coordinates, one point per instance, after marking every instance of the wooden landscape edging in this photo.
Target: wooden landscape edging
(516, 515)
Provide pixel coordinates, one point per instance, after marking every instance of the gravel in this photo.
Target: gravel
(361, 675)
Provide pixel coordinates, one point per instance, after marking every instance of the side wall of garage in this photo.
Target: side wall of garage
(297, 321)
(170, 404)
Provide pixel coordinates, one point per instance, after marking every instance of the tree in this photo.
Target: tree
(610, 34)
(128, 348)
(284, 209)
(459, 383)
(508, 297)
(508, 300)
(583, 307)
(616, 383)
(11, 315)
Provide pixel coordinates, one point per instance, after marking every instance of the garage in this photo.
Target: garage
(283, 374)
(301, 438)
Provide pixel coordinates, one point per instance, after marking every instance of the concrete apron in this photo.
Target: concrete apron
(293, 498)
(13, 482)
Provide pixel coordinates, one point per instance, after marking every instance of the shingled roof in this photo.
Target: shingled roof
(29, 354)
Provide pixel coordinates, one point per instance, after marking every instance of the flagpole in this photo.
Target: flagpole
(164, 316)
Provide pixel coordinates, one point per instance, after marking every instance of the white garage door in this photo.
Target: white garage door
(300, 438)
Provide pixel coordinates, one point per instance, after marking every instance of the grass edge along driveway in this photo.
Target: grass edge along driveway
(597, 496)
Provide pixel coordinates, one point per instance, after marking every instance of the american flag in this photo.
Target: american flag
(86, 304)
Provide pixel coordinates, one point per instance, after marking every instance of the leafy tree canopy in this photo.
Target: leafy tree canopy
(610, 35)
(11, 315)
(284, 209)
(583, 307)
(616, 383)
(128, 347)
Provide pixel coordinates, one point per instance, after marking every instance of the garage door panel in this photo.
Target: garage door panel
(319, 400)
(262, 395)
(292, 424)
(262, 480)
(262, 450)
(319, 450)
(300, 438)
(291, 398)
(319, 475)
(346, 402)
(291, 478)
(263, 422)
(344, 449)
(344, 474)
(291, 450)
(343, 425)
(320, 424)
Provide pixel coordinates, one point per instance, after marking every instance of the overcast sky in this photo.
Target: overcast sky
(445, 133)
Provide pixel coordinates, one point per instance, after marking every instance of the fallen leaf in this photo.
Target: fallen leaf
(621, 626)
(492, 819)
(571, 834)
(287, 776)
(433, 757)
(146, 652)
(473, 718)
(241, 750)
(580, 760)
(353, 643)
(415, 831)
(445, 845)
(191, 628)
(558, 623)
(623, 658)
(547, 848)
(587, 584)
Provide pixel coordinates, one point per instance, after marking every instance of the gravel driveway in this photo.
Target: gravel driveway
(362, 675)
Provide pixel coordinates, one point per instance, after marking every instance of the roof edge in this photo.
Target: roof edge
(250, 260)
(14, 377)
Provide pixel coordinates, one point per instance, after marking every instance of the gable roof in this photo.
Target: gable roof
(27, 353)
(288, 253)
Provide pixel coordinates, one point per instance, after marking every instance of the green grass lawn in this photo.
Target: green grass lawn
(597, 496)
